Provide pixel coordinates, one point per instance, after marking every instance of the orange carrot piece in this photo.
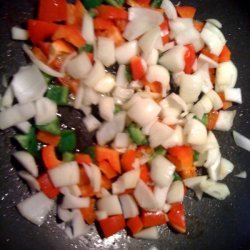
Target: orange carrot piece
(198, 25)
(225, 54)
(107, 170)
(82, 158)
(106, 183)
(186, 11)
(127, 160)
(48, 138)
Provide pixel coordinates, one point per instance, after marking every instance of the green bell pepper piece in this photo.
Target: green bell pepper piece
(136, 135)
(156, 4)
(86, 48)
(58, 94)
(67, 142)
(90, 150)
(67, 156)
(177, 177)
(116, 3)
(92, 3)
(52, 127)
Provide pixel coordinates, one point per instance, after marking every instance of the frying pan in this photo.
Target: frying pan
(211, 224)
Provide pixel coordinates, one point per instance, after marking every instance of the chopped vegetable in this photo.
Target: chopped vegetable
(52, 127)
(58, 94)
(49, 157)
(176, 217)
(68, 141)
(112, 225)
(47, 186)
(48, 138)
(136, 135)
(67, 157)
(135, 224)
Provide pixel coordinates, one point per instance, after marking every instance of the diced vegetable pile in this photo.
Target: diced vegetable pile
(162, 82)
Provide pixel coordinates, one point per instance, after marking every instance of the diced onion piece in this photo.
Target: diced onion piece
(8, 98)
(122, 140)
(27, 161)
(118, 186)
(176, 139)
(203, 106)
(28, 84)
(79, 97)
(70, 201)
(194, 184)
(162, 171)
(79, 226)
(91, 123)
(190, 87)
(241, 140)
(43, 67)
(90, 97)
(101, 215)
(106, 84)
(233, 95)
(95, 178)
(150, 233)
(24, 126)
(196, 132)
(166, 47)
(226, 76)
(217, 190)
(79, 66)
(88, 28)
(144, 196)
(187, 36)
(169, 9)
(106, 108)
(125, 52)
(176, 192)
(160, 194)
(215, 22)
(129, 206)
(226, 167)
(179, 25)
(64, 214)
(205, 59)
(74, 190)
(173, 59)
(213, 38)
(109, 204)
(105, 192)
(105, 51)
(213, 169)
(215, 99)
(121, 79)
(144, 111)
(121, 95)
(225, 120)
(16, 114)
(31, 181)
(36, 208)
(65, 174)
(96, 74)
(242, 175)
(151, 58)
(18, 33)
(46, 111)
(130, 178)
(210, 144)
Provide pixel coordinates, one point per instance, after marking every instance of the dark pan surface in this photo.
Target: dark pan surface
(212, 224)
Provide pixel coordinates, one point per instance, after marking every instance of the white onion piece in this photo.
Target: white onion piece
(217, 190)
(144, 196)
(215, 22)
(205, 59)
(203, 106)
(166, 208)
(179, 25)
(170, 115)
(101, 215)
(167, 47)
(176, 192)
(88, 28)
(187, 36)
(130, 178)
(242, 175)
(64, 214)
(24, 126)
(74, 190)
(241, 140)
(96, 74)
(144, 111)
(46, 111)
(212, 156)
(105, 51)
(125, 52)
(173, 59)
(43, 67)
(90, 97)
(28, 84)
(79, 66)
(213, 169)
(148, 41)
(18, 33)
(106, 108)
(225, 120)
(196, 132)
(31, 181)
(213, 38)
(91, 123)
(169, 9)
(176, 101)
(70, 202)
(194, 184)
(110, 204)
(79, 97)
(150, 233)
(65, 174)
(8, 98)
(162, 171)
(96, 178)
(16, 114)
(151, 58)
(132, 101)
(85, 109)
(121, 79)
(160, 194)
(190, 87)
(160, 74)
(27, 161)
(159, 132)
(106, 84)
(121, 95)
(79, 226)
(226, 76)
(226, 167)
(176, 139)
(67, 59)
(118, 186)
(122, 140)
(146, 128)
(215, 99)
(211, 143)
(36, 208)
(201, 159)
(129, 206)
(198, 44)
(233, 95)
(105, 192)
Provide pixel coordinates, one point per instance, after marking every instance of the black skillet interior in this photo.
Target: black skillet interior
(212, 224)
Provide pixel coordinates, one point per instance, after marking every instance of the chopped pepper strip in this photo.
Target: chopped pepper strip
(68, 141)
(134, 224)
(153, 218)
(48, 138)
(49, 157)
(186, 11)
(111, 12)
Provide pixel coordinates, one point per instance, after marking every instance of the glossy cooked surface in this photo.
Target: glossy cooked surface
(211, 224)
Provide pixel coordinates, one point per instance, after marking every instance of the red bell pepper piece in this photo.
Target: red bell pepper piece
(153, 218)
(189, 59)
(144, 173)
(127, 160)
(49, 157)
(112, 225)
(102, 23)
(121, 24)
(39, 54)
(138, 3)
(165, 31)
(206, 52)
(111, 12)
(48, 138)
(134, 224)
(186, 11)
(70, 34)
(88, 213)
(212, 119)
(52, 10)
(75, 13)
(69, 82)
(39, 31)
(87, 191)
(225, 54)
(47, 186)
(176, 217)
(82, 158)
(137, 68)
(109, 155)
